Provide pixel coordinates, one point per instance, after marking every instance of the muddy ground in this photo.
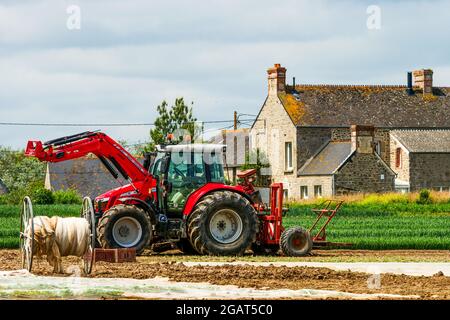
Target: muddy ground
(435, 287)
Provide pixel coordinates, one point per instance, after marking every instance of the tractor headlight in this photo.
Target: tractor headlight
(100, 204)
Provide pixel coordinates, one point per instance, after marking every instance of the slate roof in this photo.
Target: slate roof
(86, 175)
(424, 141)
(327, 160)
(3, 188)
(381, 106)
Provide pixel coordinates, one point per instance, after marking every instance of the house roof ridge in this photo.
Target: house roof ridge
(322, 85)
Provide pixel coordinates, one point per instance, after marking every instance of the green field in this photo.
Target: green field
(367, 226)
(10, 220)
(383, 226)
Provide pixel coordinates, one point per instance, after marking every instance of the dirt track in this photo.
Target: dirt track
(436, 287)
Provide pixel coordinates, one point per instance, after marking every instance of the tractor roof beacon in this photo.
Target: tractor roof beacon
(178, 197)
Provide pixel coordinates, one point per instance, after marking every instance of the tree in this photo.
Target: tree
(177, 119)
(18, 171)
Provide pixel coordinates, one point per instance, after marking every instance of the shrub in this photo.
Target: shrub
(3, 199)
(424, 197)
(68, 196)
(385, 198)
(42, 196)
(15, 196)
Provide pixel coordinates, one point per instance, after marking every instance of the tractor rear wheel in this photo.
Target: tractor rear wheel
(125, 226)
(296, 242)
(222, 223)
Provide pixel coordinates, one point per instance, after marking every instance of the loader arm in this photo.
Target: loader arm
(79, 145)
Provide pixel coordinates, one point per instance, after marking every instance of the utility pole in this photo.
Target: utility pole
(235, 120)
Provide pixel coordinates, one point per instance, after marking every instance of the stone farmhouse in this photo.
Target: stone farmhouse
(324, 140)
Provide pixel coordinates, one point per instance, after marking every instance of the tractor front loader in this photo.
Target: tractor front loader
(178, 197)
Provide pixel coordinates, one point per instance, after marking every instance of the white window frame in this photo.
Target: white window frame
(288, 166)
(304, 195)
(318, 194)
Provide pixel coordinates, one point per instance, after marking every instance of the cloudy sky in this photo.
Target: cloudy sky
(128, 56)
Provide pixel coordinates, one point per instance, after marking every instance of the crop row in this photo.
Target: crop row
(365, 231)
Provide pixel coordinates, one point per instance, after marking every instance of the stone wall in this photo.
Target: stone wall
(310, 181)
(402, 171)
(340, 134)
(270, 132)
(381, 136)
(363, 173)
(429, 170)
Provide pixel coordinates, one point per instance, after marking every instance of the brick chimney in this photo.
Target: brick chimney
(277, 79)
(362, 138)
(424, 79)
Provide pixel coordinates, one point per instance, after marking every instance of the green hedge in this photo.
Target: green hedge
(40, 195)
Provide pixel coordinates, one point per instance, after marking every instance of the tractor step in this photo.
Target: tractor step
(115, 255)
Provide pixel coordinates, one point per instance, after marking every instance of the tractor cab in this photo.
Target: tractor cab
(181, 169)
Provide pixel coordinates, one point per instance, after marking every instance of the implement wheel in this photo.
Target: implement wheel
(296, 242)
(222, 223)
(27, 233)
(87, 212)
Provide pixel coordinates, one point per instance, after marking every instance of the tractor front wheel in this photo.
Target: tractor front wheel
(296, 242)
(125, 226)
(222, 223)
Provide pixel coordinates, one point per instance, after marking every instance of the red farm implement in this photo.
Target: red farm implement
(325, 212)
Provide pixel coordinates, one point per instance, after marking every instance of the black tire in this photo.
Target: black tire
(259, 249)
(296, 242)
(199, 233)
(110, 217)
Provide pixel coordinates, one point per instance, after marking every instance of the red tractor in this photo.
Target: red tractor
(178, 197)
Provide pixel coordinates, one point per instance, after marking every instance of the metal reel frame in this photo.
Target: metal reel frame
(27, 233)
(87, 212)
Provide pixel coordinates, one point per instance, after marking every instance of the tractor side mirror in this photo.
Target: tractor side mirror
(149, 159)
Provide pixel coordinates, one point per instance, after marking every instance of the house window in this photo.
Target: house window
(285, 194)
(398, 158)
(303, 192)
(318, 191)
(378, 148)
(288, 156)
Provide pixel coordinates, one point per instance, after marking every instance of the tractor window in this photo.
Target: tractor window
(215, 167)
(186, 174)
(156, 168)
(187, 170)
